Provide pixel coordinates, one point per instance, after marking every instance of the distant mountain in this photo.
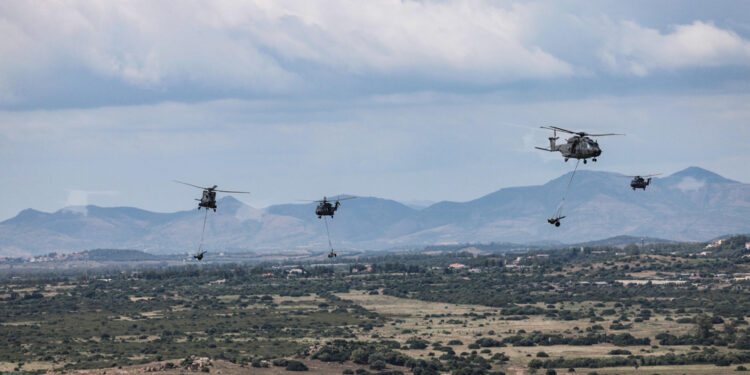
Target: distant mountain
(115, 255)
(692, 205)
(621, 241)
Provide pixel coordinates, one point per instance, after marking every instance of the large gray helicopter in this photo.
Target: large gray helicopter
(579, 146)
(640, 182)
(208, 200)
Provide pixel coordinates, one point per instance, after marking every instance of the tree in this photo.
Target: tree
(703, 326)
(296, 366)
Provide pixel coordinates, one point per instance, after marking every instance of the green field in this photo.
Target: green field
(597, 310)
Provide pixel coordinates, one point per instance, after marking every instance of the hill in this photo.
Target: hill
(691, 205)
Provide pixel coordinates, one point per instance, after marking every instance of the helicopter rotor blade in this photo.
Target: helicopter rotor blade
(230, 191)
(599, 135)
(643, 176)
(185, 183)
(558, 129)
(343, 199)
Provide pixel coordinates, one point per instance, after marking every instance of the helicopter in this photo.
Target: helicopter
(208, 200)
(640, 182)
(199, 256)
(328, 208)
(580, 146)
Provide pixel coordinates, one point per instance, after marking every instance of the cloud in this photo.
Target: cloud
(263, 47)
(78, 199)
(639, 50)
(690, 184)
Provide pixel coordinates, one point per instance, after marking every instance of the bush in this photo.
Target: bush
(542, 355)
(741, 368)
(296, 366)
(417, 343)
(551, 372)
(378, 365)
(348, 372)
(281, 362)
(620, 352)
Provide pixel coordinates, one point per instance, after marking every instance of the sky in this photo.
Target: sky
(107, 103)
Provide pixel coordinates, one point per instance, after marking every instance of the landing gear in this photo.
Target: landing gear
(584, 161)
(594, 159)
(319, 216)
(331, 254)
(557, 224)
(566, 159)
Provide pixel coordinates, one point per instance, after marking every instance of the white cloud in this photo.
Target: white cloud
(638, 50)
(690, 184)
(264, 46)
(78, 200)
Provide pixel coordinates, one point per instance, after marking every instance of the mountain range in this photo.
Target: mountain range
(691, 205)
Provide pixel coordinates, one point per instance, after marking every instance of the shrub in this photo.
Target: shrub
(296, 366)
(620, 352)
(378, 365)
(417, 343)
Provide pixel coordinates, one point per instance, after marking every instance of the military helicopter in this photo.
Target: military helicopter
(640, 182)
(199, 256)
(580, 146)
(328, 208)
(208, 200)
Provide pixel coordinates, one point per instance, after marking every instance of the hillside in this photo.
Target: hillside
(691, 205)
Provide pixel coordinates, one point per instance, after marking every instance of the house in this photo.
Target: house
(457, 266)
(715, 243)
(747, 245)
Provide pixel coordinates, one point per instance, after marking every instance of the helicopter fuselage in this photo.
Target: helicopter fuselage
(640, 183)
(579, 148)
(326, 208)
(208, 200)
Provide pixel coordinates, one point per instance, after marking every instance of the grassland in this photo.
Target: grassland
(516, 314)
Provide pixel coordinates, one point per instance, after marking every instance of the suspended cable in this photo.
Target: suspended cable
(203, 231)
(558, 212)
(328, 233)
